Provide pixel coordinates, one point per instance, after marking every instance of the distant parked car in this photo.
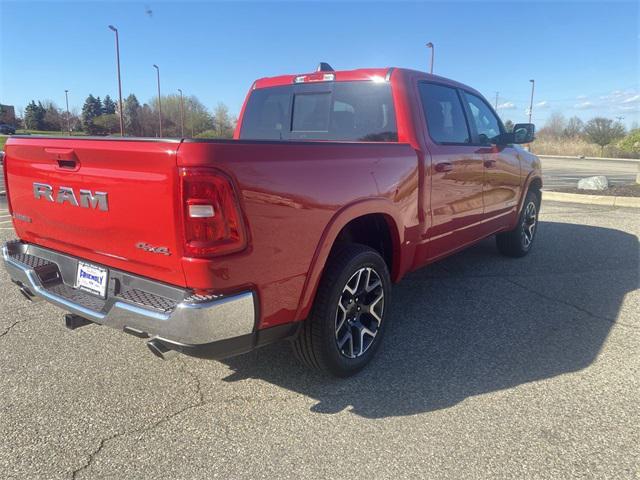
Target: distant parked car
(7, 129)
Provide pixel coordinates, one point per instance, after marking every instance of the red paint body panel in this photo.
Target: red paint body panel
(295, 197)
(141, 181)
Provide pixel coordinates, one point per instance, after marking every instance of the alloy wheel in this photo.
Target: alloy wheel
(359, 312)
(529, 223)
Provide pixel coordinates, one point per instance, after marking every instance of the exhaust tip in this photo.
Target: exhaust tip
(26, 293)
(161, 349)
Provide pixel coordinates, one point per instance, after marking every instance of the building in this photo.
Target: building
(7, 114)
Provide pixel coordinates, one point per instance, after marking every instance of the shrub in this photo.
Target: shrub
(631, 143)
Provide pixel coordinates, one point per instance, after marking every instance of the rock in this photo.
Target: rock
(599, 182)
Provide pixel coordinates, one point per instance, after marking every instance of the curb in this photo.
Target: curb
(632, 160)
(628, 202)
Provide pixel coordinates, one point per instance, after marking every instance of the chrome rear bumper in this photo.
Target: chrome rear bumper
(134, 304)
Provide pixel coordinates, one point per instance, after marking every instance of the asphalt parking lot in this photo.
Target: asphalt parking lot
(558, 172)
(491, 368)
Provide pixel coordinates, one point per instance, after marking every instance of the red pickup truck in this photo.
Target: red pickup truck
(336, 184)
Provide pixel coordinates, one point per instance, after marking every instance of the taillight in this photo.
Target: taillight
(211, 214)
(3, 159)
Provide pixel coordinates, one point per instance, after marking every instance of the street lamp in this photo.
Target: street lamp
(430, 45)
(115, 30)
(66, 97)
(533, 85)
(159, 101)
(181, 114)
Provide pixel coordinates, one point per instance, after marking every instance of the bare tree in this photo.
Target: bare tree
(555, 125)
(603, 131)
(574, 128)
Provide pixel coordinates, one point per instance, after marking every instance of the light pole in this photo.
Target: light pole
(159, 101)
(533, 86)
(496, 108)
(181, 114)
(430, 45)
(115, 30)
(66, 97)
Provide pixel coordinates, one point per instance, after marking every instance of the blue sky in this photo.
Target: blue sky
(584, 56)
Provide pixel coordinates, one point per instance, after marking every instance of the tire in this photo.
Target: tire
(357, 278)
(519, 241)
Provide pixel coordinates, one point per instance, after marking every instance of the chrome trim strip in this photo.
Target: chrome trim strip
(188, 323)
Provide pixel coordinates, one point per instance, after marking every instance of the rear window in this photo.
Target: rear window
(349, 111)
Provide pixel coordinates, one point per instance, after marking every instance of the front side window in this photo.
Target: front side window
(444, 114)
(349, 111)
(486, 123)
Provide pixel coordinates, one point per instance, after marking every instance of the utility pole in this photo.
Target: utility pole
(496, 107)
(159, 101)
(66, 97)
(181, 114)
(114, 29)
(533, 85)
(430, 45)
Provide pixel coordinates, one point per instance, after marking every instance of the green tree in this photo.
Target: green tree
(108, 106)
(91, 109)
(197, 118)
(107, 124)
(132, 113)
(603, 131)
(34, 116)
(53, 119)
(222, 122)
(631, 143)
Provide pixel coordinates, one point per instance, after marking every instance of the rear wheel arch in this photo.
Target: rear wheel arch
(344, 225)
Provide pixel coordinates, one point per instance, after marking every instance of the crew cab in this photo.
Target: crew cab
(336, 184)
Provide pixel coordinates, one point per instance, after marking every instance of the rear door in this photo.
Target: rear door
(113, 202)
(456, 170)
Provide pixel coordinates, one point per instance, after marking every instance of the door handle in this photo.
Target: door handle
(489, 163)
(444, 167)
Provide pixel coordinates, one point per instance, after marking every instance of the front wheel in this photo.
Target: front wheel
(346, 324)
(518, 242)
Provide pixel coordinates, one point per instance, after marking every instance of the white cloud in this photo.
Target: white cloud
(581, 97)
(507, 106)
(633, 99)
(542, 104)
(621, 97)
(584, 105)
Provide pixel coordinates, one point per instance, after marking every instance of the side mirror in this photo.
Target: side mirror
(524, 133)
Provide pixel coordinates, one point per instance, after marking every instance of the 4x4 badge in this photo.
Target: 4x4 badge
(151, 249)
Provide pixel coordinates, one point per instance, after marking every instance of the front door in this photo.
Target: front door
(501, 184)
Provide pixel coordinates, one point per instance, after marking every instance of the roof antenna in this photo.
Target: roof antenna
(324, 67)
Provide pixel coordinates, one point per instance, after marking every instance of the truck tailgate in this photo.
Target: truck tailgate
(136, 227)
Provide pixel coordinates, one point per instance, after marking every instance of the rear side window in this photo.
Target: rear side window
(445, 117)
(267, 115)
(348, 111)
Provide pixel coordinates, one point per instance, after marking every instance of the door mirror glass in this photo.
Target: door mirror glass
(524, 133)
